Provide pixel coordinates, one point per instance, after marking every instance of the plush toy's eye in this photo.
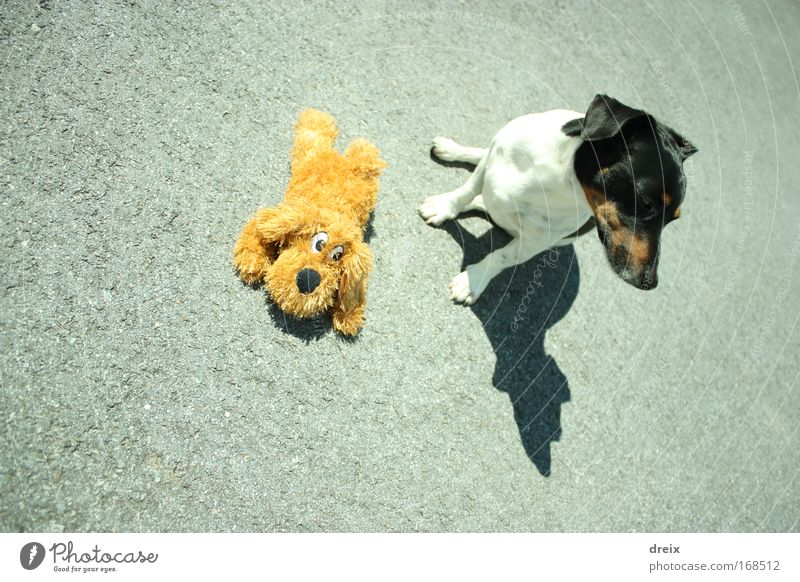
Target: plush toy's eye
(319, 241)
(337, 253)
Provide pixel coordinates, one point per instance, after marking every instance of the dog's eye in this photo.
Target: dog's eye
(337, 253)
(318, 242)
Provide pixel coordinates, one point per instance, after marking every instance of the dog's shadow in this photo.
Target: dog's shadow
(516, 310)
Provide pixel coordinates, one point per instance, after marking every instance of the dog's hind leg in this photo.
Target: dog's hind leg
(476, 204)
(449, 151)
(436, 209)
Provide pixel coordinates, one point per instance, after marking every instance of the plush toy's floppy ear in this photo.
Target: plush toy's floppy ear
(261, 238)
(348, 312)
(275, 224)
(605, 118)
(253, 253)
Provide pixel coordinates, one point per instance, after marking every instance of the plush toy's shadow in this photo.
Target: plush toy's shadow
(369, 230)
(516, 310)
(304, 329)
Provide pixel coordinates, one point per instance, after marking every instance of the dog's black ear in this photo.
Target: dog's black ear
(686, 147)
(605, 118)
(687, 150)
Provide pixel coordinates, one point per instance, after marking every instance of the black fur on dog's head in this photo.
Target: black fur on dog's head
(630, 167)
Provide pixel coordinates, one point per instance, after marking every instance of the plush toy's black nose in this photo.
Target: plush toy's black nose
(307, 280)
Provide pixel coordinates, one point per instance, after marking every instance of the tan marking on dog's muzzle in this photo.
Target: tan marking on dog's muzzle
(632, 254)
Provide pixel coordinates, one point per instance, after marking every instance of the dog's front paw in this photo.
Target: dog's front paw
(467, 286)
(436, 209)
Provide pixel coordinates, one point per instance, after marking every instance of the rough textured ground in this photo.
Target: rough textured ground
(144, 388)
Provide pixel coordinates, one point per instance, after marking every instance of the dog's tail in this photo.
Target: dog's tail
(315, 132)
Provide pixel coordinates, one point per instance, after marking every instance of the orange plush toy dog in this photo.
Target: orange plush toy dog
(309, 251)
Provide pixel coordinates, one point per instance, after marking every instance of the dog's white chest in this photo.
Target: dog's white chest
(529, 185)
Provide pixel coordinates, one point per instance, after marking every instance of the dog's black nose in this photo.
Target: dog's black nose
(648, 280)
(307, 280)
(647, 284)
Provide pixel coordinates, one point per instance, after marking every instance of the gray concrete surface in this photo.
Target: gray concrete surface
(145, 389)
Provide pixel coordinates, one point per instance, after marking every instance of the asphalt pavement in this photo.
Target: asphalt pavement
(144, 388)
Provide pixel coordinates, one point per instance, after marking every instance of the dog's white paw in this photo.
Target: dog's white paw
(467, 286)
(444, 148)
(436, 209)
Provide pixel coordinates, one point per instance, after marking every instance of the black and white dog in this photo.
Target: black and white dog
(548, 178)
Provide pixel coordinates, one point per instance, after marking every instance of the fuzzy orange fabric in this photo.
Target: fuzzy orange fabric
(309, 251)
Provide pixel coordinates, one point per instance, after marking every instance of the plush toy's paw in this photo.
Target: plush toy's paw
(365, 158)
(436, 209)
(468, 285)
(316, 122)
(348, 323)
